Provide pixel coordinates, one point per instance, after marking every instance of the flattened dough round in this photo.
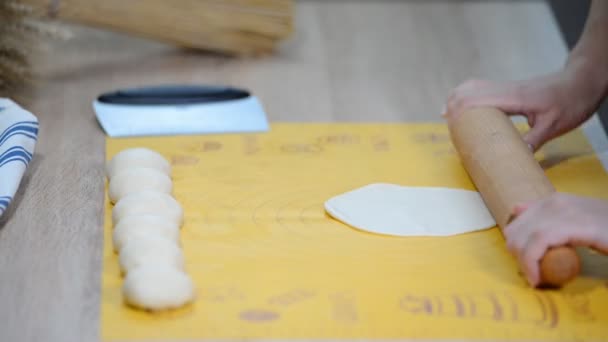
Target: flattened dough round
(135, 158)
(137, 226)
(136, 180)
(158, 288)
(411, 211)
(148, 202)
(150, 250)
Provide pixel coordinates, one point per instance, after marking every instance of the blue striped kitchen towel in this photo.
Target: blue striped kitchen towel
(18, 134)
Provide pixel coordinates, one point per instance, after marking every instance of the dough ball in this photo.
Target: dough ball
(135, 158)
(148, 203)
(156, 288)
(134, 227)
(150, 250)
(136, 180)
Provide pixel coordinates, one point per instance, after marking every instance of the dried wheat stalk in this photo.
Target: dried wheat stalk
(20, 32)
(14, 37)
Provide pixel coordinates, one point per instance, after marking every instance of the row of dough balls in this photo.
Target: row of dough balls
(147, 222)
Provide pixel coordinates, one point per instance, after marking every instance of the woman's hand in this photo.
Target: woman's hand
(553, 104)
(556, 221)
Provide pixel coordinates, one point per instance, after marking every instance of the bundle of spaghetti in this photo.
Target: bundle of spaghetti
(227, 26)
(234, 27)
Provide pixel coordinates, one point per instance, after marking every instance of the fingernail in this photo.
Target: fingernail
(531, 148)
(518, 210)
(444, 111)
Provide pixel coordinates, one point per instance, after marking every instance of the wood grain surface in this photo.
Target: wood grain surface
(347, 61)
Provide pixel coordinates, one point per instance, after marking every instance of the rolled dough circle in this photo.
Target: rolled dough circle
(136, 180)
(158, 288)
(391, 209)
(137, 226)
(135, 158)
(150, 250)
(148, 203)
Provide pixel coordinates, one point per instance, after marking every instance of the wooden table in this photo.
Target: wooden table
(359, 60)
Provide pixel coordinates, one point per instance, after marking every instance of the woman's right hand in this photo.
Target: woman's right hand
(553, 104)
(558, 220)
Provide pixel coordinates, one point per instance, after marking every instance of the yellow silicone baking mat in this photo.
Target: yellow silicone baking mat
(269, 263)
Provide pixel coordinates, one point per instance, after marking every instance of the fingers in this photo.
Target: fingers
(471, 86)
(528, 238)
(529, 259)
(539, 134)
(512, 232)
(530, 234)
(479, 93)
(535, 248)
(444, 111)
(556, 221)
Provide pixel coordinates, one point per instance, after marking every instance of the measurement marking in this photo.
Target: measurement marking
(258, 316)
(514, 309)
(290, 298)
(553, 311)
(211, 146)
(425, 304)
(301, 148)
(459, 306)
(579, 304)
(251, 145)
(439, 305)
(497, 312)
(343, 308)
(542, 308)
(184, 160)
(339, 139)
(472, 307)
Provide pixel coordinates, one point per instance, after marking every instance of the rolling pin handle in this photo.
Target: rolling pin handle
(559, 266)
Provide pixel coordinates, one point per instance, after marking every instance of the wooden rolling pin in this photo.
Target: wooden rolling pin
(504, 170)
